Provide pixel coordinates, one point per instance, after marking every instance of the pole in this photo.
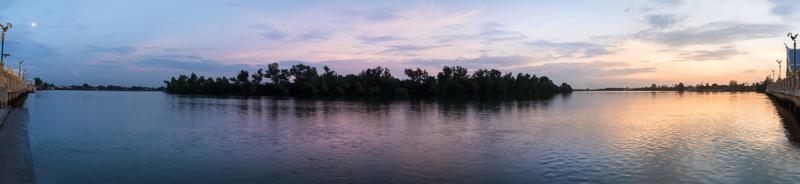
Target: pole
(3, 42)
(779, 68)
(3, 47)
(794, 55)
(20, 69)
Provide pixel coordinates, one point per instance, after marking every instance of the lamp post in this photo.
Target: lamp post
(20, 69)
(3, 54)
(794, 49)
(773, 74)
(779, 68)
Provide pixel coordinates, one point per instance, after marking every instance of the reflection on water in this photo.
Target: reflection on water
(789, 119)
(606, 137)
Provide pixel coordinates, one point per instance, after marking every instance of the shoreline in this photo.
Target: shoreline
(701, 91)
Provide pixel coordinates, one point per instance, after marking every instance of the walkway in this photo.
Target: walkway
(16, 165)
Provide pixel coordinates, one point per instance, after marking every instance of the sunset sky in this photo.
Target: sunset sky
(590, 44)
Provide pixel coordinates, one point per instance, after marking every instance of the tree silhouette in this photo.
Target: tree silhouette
(304, 80)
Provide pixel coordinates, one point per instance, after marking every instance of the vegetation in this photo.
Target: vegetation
(304, 80)
(731, 86)
(41, 85)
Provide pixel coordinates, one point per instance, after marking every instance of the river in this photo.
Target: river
(602, 137)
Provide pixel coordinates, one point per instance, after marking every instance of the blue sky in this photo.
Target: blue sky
(586, 43)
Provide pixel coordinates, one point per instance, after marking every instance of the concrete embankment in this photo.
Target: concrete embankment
(788, 96)
(16, 164)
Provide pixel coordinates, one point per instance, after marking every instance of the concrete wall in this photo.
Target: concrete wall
(12, 86)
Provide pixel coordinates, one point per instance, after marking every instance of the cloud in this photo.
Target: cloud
(186, 49)
(478, 62)
(381, 16)
(626, 71)
(124, 50)
(269, 32)
(658, 14)
(377, 39)
(584, 74)
(178, 56)
(188, 65)
(575, 49)
(314, 35)
(723, 53)
(26, 48)
(488, 32)
(494, 31)
(661, 21)
(653, 6)
(272, 33)
(454, 38)
(406, 49)
(563, 45)
(668, 2)
(786, 9)
(712, 33)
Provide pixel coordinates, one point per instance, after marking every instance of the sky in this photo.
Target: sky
(589, 44)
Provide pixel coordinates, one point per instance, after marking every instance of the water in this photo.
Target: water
(606, 137)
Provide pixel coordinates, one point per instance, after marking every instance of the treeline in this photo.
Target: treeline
(304, 80)
(731, 86)
(41, 85)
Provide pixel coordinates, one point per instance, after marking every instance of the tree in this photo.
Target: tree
(38, 82)
(304, 80)
(680, 87)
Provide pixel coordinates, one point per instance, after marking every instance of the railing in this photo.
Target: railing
(790, 85)
(12, 85)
